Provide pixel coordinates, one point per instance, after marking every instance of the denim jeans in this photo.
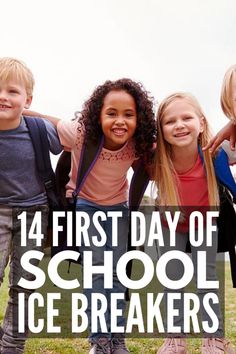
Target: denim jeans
(175, 271)
(10, 248)
(98, 259)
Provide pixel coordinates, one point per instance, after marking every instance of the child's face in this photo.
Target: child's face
(233, 92)
(181, 125)
(118, 119)
(13, 99)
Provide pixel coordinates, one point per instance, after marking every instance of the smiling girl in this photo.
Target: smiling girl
(185, 178)
(122, 112)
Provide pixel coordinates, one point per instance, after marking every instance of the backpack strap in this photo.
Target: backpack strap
(222, 171)
(89, 155)
(138, 185)
(225, 178)
(39, 138)
(232, 258)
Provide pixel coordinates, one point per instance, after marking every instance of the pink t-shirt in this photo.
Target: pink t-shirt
(193, 192)
(107, 182)
(192, 187)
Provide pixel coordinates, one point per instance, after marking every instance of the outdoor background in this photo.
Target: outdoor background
(74, 45)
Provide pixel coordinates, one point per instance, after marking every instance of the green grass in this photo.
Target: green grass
(141, 346)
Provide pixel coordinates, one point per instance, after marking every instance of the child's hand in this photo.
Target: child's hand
(228, 132)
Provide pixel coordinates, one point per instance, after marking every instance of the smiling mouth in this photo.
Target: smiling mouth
(2, 106)
(119, 132)
(180, 135)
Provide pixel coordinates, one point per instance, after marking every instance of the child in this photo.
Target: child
(20, 189)
(228, 94)
(121, 111)
(228, 104)
(182, 180)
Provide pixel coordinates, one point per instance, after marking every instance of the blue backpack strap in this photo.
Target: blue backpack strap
(39, 138)
(222, 171)
(225, 177)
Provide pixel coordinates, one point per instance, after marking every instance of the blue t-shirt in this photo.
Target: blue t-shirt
(20, 184)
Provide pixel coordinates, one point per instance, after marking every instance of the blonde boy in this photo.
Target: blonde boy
(20, 189)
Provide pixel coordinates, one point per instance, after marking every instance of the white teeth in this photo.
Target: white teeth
(182, 134)
(119, 131)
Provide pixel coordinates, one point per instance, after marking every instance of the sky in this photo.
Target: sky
(74, 45)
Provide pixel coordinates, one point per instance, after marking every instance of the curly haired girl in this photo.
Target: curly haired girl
(122, 112)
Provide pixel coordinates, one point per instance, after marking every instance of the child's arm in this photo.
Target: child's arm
(226, 133)
(53, 139)
(231, 154)
(51, 119)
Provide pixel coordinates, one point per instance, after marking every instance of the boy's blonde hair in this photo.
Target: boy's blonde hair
(14, 69)
(226, 93)
(165, 176)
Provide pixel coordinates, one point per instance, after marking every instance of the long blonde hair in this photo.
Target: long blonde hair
(226, 97)
(165, 176)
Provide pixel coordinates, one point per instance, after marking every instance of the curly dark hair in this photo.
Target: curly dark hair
(145, 133)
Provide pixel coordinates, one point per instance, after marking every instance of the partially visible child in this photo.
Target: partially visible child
(184, 180)
(228, 94)
(228, 103)
(122, 112)
(21, 189)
